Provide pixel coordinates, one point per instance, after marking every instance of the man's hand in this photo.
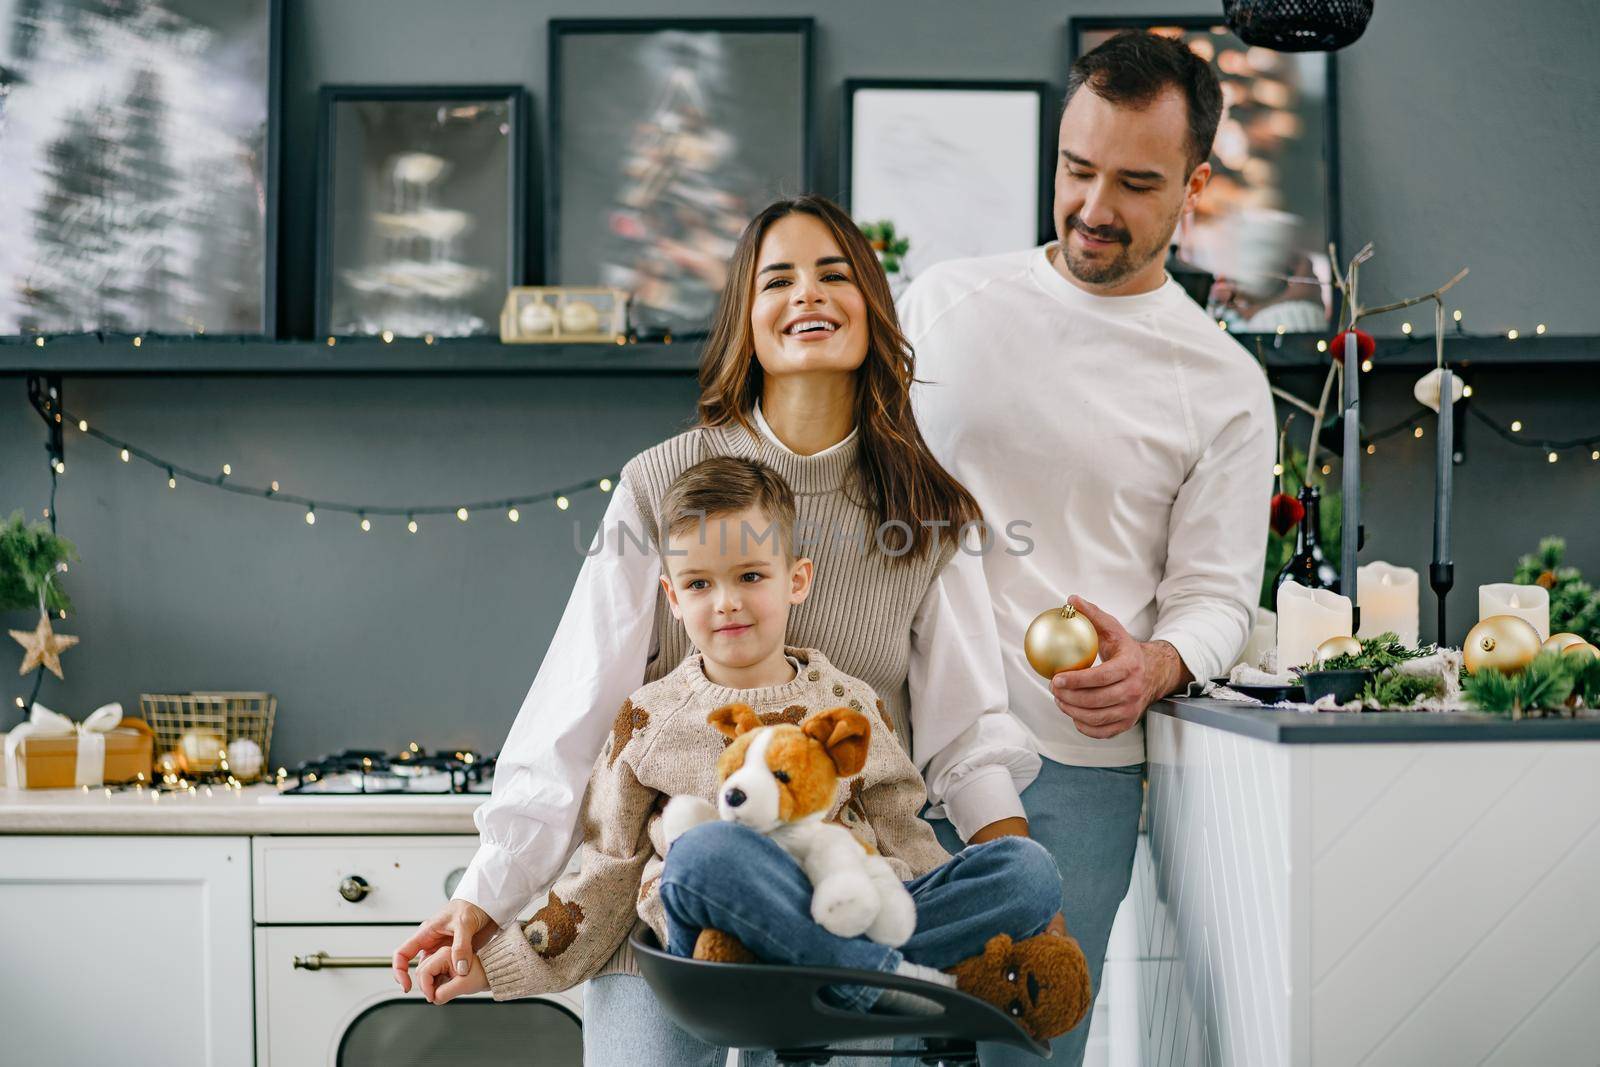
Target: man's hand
(1015, 826)
(460, 926)
(1108, 698)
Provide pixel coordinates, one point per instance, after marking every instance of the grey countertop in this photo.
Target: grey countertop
(255, 809)
(1368, 727)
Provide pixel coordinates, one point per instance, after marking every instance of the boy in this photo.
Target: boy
(732, 576)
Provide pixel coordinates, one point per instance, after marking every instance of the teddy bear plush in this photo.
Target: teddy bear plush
(1041, 981)
(781, 780)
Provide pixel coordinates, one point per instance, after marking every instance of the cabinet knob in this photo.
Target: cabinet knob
(354, 888)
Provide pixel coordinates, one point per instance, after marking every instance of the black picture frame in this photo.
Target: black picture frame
(331, 97)
(560, 223)
(1044, 164)
(271, 133)
(1079, 26)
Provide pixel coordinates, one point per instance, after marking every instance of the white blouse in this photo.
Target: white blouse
(528, 827)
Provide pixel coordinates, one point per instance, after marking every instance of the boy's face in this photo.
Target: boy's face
(731, 583)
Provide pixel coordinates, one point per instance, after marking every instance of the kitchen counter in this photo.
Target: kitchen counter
(1365, 727)
(1343, 888)
(256, 809)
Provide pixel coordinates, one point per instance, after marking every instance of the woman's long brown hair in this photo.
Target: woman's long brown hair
(898, 475)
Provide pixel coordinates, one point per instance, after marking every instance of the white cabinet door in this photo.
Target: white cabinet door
(125, 949)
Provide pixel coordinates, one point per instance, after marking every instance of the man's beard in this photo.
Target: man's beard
(1128, 260)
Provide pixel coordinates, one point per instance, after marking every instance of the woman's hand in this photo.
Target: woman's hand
(461, 926)
(440, 985)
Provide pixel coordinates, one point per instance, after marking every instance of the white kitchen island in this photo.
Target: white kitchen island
(1337, 889)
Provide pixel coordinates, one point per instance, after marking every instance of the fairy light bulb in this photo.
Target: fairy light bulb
(1405, 328)
(227, 469)
(563, 503)
(60, 466)
(1417, 433)
(1539, 329)
(1322, 346)
(366, 524)
(1457, 314)
(514, 515)
(387, 335)
(1282, 330)
(1371, 449)
(1511, 335)
(172, 481)
(1366, 364)
(83, 425)
(124, 455)
(274, 485)
(605, 485)
(1466, 391)
(1552, 457)
(461, 513)
(427, 338)
(38, 342)
(1595, 454)
(1516, 425)
(311, 516)
(332, 341)
(411, 524)
(1222, 324)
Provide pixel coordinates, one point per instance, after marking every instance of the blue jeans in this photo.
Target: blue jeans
(727, 877)
(1088, 817)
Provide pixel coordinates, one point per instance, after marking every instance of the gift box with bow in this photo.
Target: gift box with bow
(50, 751)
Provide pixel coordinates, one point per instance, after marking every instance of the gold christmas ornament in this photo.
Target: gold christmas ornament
(1560, 642)
(1334, 647)
(1061, 639)
(200, 751)
(43, 645)
(1505, 642)
(1582, 650)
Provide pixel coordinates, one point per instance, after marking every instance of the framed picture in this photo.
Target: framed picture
(420, 217)
(666, 137)
(138, 159)
(959, 168)
(1265, 220)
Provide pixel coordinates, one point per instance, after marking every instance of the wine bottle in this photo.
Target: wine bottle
(1308, 565)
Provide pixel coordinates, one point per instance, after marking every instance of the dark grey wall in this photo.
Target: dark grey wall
(1461, 145)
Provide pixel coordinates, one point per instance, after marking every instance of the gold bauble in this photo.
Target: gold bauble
(200, 751)
(1581, 650)
(1505, 642)
(1334, 647)
(1560, 642)
(1061, 639)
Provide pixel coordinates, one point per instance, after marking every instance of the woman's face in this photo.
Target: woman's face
(807, 314)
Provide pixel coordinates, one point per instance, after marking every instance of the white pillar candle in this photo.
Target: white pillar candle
(1306, 618)
(1388, 596)
(1531, 602)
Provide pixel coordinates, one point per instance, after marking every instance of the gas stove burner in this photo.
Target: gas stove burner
(414, 771)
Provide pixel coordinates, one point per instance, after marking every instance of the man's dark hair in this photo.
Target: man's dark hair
(1133, 68)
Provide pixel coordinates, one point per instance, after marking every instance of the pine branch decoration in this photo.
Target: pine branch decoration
(1379, 653)
(1542, 686)
(1392, 689)
(29, 558)
(1574, 603)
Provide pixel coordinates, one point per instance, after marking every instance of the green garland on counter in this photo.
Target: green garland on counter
(1380, 653)
(1396, 691)
(1545, 686)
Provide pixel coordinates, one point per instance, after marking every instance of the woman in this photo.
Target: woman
(806, 370)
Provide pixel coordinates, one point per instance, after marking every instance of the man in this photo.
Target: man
(1076, 387)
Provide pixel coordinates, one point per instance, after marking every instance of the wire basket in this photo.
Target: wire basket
(1298, 25)
(183, 723)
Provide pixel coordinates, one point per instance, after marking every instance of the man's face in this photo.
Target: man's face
(731, 583)
(1122, 183)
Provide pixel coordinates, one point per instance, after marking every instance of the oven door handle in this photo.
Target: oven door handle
(321, 961)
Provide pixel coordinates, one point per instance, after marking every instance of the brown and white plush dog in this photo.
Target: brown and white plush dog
(781, 781)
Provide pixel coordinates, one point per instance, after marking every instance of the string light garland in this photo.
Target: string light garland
(510, 505)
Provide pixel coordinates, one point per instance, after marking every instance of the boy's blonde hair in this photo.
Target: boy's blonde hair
(726, 485)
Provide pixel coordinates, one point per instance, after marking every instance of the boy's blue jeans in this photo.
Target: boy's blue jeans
(727, 877)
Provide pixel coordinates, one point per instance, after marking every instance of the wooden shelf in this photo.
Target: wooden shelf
(106, 355)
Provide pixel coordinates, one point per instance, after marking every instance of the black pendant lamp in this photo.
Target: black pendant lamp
(1298, 25)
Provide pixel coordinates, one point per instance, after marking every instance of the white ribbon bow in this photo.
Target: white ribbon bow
(42, 722)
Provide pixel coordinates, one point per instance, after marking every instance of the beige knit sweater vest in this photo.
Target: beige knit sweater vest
(860, 609)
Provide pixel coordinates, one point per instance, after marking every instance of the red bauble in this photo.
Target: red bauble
(1365, 345)
(1286, 514)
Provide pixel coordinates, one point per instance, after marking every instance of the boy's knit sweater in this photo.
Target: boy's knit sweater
(661, 746)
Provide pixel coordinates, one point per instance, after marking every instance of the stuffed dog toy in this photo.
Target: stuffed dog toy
(781, 781)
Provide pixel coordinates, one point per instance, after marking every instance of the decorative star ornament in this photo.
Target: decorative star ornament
(43, 645)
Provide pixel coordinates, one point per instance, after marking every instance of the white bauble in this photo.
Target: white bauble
(536, 317)
(244, 758)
